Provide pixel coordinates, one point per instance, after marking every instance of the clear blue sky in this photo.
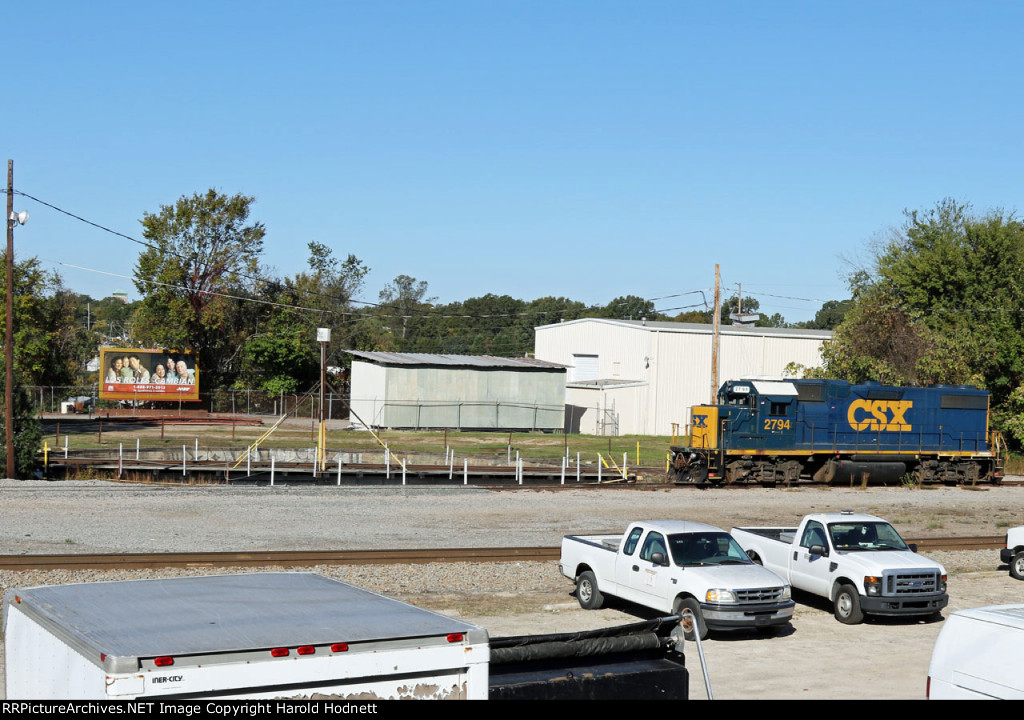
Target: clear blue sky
(529, 148)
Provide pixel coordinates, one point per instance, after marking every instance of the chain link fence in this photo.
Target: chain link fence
(84, 399)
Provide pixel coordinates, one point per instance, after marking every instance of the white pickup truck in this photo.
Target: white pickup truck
(672, 565)
(859, 562)
(1013, 553)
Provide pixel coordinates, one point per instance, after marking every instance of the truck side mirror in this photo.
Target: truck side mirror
(658, 558)
(913, 547)
(819, 550)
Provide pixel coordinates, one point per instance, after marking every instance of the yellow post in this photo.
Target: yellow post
(637, 463)
(46, 452)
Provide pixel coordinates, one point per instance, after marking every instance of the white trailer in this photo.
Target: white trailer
(259, 635)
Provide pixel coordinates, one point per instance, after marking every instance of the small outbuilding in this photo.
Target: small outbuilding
(456, 392)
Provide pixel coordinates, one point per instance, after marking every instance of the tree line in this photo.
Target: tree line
(204, 289)
(940, 300)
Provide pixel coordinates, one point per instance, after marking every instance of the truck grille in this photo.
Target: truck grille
(911, 583)
(756, 596)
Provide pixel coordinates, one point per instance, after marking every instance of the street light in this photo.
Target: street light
(13, 219)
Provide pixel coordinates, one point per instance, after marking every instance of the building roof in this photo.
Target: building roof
(700, 328)
(476, 361)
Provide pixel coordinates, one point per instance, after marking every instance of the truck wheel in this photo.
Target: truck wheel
(687, 624)
(587, 593)
(1017, 565)
(847, 606)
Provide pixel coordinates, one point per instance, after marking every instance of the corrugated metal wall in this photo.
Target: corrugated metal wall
(422, 396)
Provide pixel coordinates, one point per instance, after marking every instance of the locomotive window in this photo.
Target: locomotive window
(964, 402)
(875, 394)
(777, 409)
(811, 393)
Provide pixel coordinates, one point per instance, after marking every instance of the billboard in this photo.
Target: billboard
(148, 375)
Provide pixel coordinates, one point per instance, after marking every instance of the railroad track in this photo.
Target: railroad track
(139, 561)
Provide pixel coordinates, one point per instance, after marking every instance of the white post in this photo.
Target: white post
(563, 471)
(184, 450)
(508, 455)
(65, 446)
(577, 467)
(196, 456)
(120, 452)
(451, 466)
(403, 471)
(624, 456)
(248, 461)
(339, 468)
(599, 461)
(136, 449)
(316, 459)
(272, 458)
(465, 471)
(387, 463)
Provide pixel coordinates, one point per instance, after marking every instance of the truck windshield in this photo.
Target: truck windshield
(865, 536)
(707, 548)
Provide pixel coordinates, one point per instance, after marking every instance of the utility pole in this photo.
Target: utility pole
(9, 336)
(717, 325)
(323, 336)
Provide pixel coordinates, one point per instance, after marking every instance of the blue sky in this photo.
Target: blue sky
(579, 149)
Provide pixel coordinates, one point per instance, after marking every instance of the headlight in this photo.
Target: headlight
(942, 584)
(872, 585)
(720, 595)
(787, 592)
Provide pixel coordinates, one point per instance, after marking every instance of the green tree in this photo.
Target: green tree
(47, 335)
(281, 353)
(28, 433)
(203, 253)
(941, 302)
(401, 299)
(630, 307)
(829, 316)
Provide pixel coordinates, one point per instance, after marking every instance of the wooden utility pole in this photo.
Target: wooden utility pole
(9, 336)
(714, 345)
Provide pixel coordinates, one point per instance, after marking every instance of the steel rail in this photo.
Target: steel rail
(134, 561)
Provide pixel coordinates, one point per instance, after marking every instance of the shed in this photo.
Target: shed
(637, 377)
(458, 392)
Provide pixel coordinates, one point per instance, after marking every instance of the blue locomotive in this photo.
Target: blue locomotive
(781, 431)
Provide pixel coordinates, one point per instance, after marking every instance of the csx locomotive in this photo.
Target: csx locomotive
(779, 432)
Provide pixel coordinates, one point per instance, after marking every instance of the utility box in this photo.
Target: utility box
(257, 635)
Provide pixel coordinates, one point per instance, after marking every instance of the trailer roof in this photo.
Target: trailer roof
(223, 613)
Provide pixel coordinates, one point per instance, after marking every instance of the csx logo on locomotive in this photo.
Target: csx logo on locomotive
(878, 415)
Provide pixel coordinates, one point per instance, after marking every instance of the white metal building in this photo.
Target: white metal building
(458, 392)
(631, 377)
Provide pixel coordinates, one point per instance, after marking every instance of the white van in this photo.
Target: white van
(979, 654)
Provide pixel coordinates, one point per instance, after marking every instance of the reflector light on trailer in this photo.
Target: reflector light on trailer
(456, 637)
(339, 647)
(279, 652)
(163, 661)
(305, 650)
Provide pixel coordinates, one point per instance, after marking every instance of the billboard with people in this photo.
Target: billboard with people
(149, 375)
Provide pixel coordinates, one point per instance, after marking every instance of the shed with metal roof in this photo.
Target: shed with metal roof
(458, 392)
